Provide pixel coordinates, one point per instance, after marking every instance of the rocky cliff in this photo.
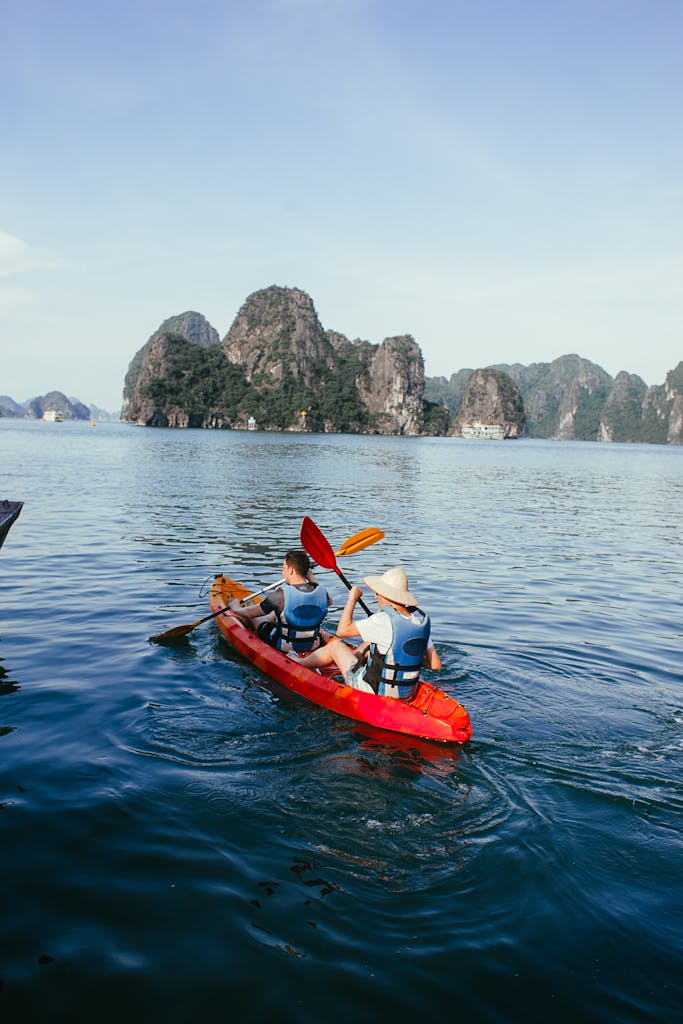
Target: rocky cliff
(663, 410)
(491, 400)
(622, 412)
(70, 410)
(192, 326)
(278, 367)
(8, 407)
(572, 398)
(393, 388)
(156, 380)
(277, 334)
(673, 389)
(103, 415)
(563, 399)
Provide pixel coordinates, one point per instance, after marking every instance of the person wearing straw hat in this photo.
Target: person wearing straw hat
(395, 640)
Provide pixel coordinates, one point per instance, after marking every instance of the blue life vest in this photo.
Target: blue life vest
(396, 673)
(301, 616)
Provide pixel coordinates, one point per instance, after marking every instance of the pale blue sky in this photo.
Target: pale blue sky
(501, 179)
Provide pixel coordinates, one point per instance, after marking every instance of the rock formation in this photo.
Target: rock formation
(673, 401)
(279, 367)
(622, 413)
(563, 399)
(492, 406)
(276, 366)
(153, 363)
(103, 415)
(8, 407)
(574, 399)
(675, 431)
(192, 326)
(70, 410)
(394, 388)
(277, 333)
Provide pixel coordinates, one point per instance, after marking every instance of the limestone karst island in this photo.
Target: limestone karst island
(278, 368)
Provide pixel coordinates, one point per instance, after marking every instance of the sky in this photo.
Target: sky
(501, 179)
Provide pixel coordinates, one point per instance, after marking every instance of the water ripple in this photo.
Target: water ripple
(176, 827)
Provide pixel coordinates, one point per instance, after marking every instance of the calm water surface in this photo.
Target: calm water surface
(181, 839)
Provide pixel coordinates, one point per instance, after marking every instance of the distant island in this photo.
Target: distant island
(277, 368)
(53, 405)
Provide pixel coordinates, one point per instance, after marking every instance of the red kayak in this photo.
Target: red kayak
(429, 714)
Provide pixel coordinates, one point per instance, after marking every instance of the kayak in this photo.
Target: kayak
(430, 713)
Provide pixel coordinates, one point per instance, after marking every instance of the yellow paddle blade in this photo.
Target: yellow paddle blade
(232, 589)
(362, 539)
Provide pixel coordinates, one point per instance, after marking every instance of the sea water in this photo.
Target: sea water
(182, 839)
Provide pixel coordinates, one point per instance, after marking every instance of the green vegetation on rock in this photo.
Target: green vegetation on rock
(199, 380)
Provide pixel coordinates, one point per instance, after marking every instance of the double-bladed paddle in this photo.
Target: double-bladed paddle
(362, 539)
(357, 542)
(320, 550)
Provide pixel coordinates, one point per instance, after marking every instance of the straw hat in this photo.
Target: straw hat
(393, 585)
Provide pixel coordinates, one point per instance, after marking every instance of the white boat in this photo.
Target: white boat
(494, 431)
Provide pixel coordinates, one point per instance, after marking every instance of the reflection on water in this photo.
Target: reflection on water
(176, 827)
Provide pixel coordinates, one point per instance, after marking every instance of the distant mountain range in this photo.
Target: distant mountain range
(572, 398)
(70, 408)
(277, 368)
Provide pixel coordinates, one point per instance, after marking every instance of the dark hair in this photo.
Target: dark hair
(299, 561)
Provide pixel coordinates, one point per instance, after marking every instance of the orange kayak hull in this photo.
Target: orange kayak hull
(430, 714)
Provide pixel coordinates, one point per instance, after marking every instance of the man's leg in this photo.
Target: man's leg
(335, 652)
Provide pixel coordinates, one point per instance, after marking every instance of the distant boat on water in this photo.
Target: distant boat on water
(492, 431)
(9, 511)
(53, 416)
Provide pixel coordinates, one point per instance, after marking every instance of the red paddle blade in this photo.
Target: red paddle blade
(316, 545)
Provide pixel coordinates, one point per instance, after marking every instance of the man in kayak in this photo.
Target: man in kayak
(395, 640)
(290, 617)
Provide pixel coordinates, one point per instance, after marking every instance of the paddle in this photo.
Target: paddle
(362, 539)
(358, 541)
(236, 590)
(320, 550)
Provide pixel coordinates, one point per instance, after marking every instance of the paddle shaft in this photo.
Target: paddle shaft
(274, 586)
(227, 609)
(263, 590)
(348, 585)
(207, 617)
(320, 549)
(357, 542)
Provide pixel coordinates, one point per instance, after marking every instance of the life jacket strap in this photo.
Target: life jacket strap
(379, 672)
(302, 640)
